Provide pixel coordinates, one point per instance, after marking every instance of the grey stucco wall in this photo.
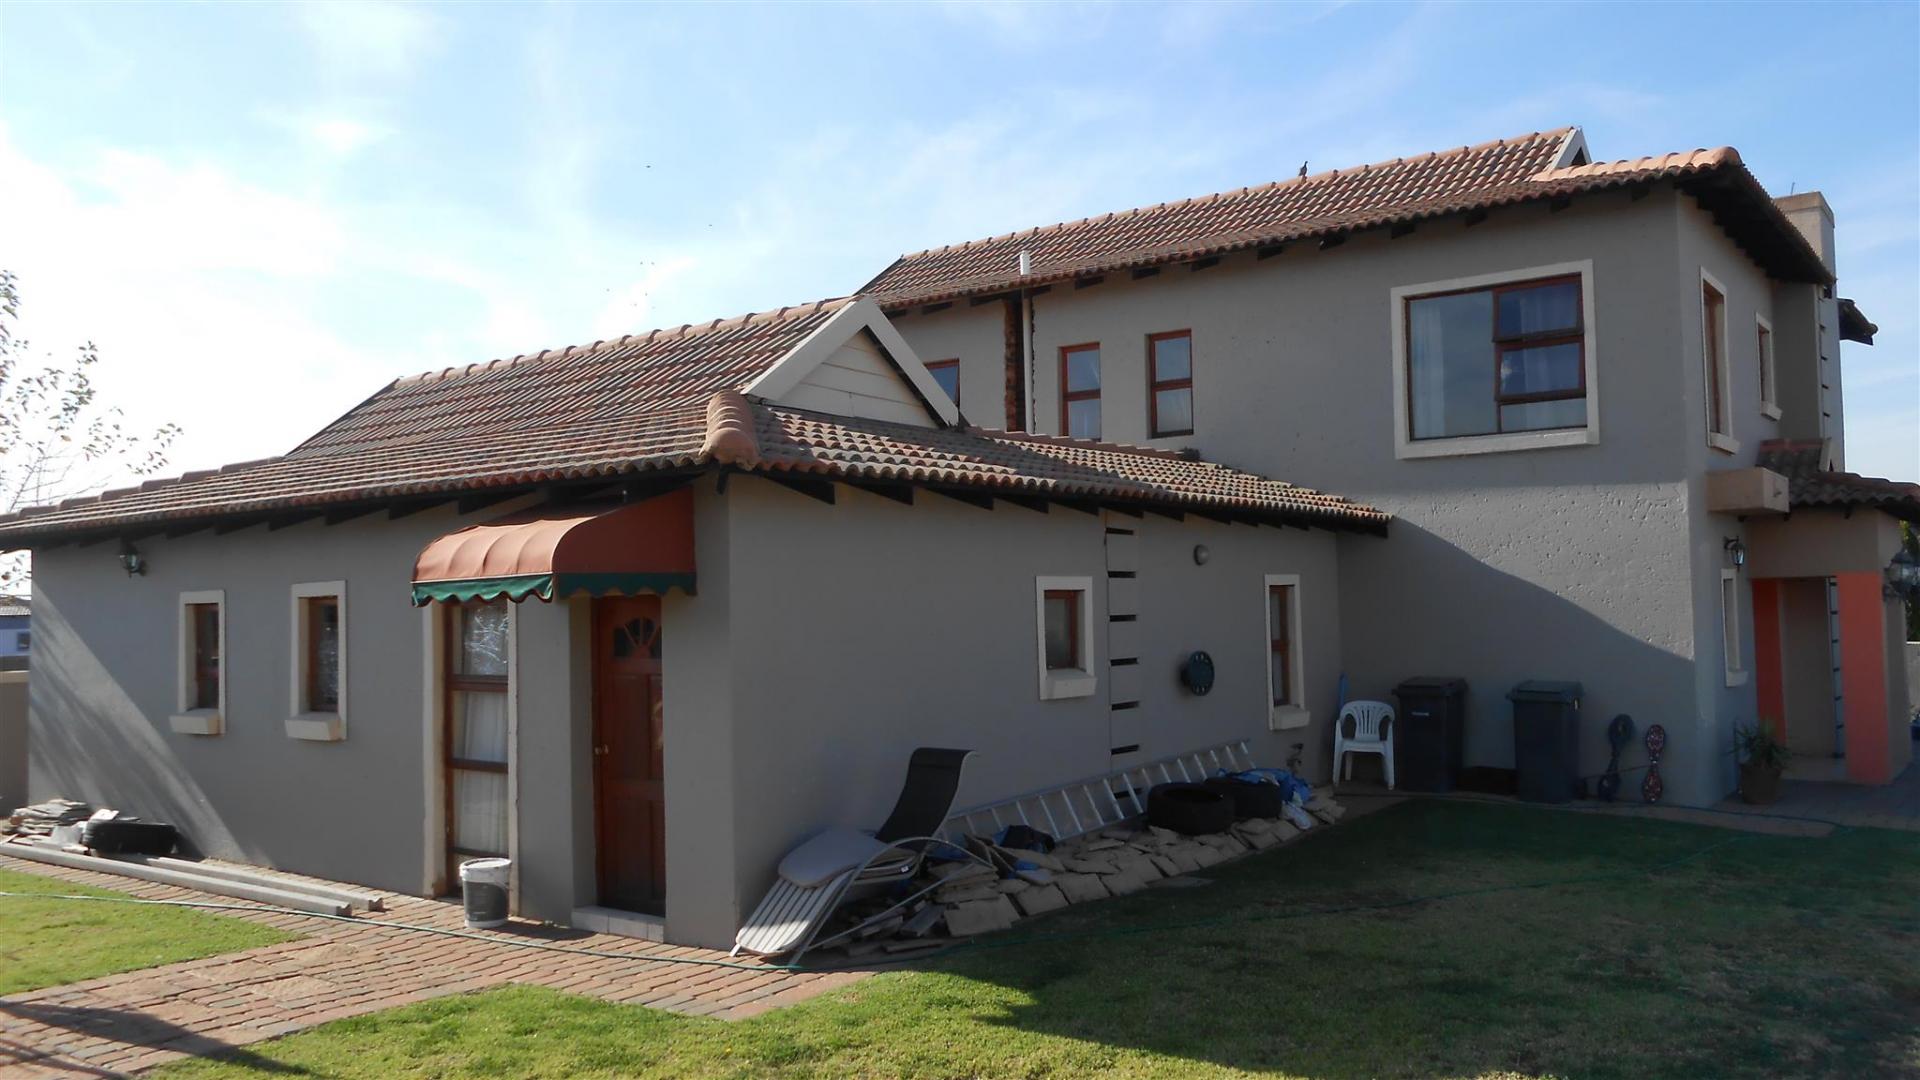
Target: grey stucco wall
(105, 683)
(839, 638)
(1584, 562)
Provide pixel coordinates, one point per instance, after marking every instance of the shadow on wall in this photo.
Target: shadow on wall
(13, 739)
(88, 740)
(1422, 605)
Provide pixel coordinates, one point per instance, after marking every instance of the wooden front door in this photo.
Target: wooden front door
(630, 802)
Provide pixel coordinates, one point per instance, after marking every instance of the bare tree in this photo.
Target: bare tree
(57, 439)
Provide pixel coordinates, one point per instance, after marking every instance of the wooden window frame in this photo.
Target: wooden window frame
(942, 365)
(1769, 375)
(452, 682)
(1155, 384)
(1073, 682)
(1716, 366)
(1067, 397)
(303, 720)
(1400, 359)
(189, 716)
(1502, 345)
(1291, 713)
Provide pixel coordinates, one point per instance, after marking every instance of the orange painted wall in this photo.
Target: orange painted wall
(1863, 677)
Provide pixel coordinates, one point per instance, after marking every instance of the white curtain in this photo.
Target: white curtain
(480, 726)
(480, 811)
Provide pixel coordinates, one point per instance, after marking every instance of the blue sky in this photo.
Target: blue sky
(263, 212)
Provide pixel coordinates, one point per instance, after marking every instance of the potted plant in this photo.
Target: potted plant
(1762, 759)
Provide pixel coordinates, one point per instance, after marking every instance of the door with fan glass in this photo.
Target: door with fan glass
(629, 799)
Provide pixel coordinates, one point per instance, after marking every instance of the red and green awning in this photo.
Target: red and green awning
(556, 551)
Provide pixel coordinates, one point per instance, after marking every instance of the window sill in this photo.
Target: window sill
(197, 722)
(1769, 410)
(1288, 718)
(317, 727)
(1066, 683)
(1726, 444)
(1463, 445)
(1736, 678)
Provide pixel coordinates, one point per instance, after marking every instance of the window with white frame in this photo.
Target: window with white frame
(1495, 362)
(318, 668)
(1730, 627)
(1286, 685)
(1717, 373)
(202, 669)
(1769, 392)
(1063, 626)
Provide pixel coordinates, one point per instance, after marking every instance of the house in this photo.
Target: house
(16, 631)
(645, 614)
(1601, 400)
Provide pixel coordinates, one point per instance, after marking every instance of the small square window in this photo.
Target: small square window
(1064, 631)
(947, 374)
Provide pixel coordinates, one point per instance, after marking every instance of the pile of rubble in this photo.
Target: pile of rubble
(1002, 885)
(40, 819)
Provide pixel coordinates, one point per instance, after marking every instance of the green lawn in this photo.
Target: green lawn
(50, 942)
(1666, 950)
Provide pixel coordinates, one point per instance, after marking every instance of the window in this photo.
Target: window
(1769, 395)
(1713, 352)
(319, 663)
(1080, 391)
(475, 740)
(1285, 679)
(1170, 383)
(23, 641)
(1063, 627)
(947, 374)
(1730, 627)
(202, 675)
(1496, 362)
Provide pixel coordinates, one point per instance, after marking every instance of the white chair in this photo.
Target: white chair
(1372, 734)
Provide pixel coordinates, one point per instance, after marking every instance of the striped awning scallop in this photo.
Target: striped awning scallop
(559, 550)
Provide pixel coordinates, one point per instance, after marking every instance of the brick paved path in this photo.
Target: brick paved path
(122, 1023)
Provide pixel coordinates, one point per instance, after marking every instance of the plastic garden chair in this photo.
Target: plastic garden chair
(1372, 734)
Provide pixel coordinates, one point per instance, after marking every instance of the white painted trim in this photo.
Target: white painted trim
(1570, 148)
(432, 651)
(1405, 447)
(862, 314)
(1732, 628)
(1769, 374)
(188, 720)
(1068, 682)
(305, 723)
(1718, 440)
(1293, 714)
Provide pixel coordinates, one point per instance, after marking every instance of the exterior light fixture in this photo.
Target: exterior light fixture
(1201, 553)
(1736, 552)
(1903, 577)
(131, 560)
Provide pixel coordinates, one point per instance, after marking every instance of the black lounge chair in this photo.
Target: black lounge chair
(842, 864)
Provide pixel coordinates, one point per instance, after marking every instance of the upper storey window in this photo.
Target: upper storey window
(1170, 383)
(1080, 391)
(1500, 362)
(947, 374)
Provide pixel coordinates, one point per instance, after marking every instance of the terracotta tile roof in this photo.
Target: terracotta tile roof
(1811, 483)
(659, 401)
(1396, 192)
(1045, 466)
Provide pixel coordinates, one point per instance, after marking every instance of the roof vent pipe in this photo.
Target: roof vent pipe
(1026, 262)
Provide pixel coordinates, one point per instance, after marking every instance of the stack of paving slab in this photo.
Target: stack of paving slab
(975, 898)
(40, 819)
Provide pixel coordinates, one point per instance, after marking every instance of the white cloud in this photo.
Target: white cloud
(362, 38)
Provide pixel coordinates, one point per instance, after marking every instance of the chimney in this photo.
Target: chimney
(1026, 260)
(1810, 214)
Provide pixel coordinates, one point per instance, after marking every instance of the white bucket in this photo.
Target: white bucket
(483, 889)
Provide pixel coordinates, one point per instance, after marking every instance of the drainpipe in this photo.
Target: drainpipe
(1026, 342)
